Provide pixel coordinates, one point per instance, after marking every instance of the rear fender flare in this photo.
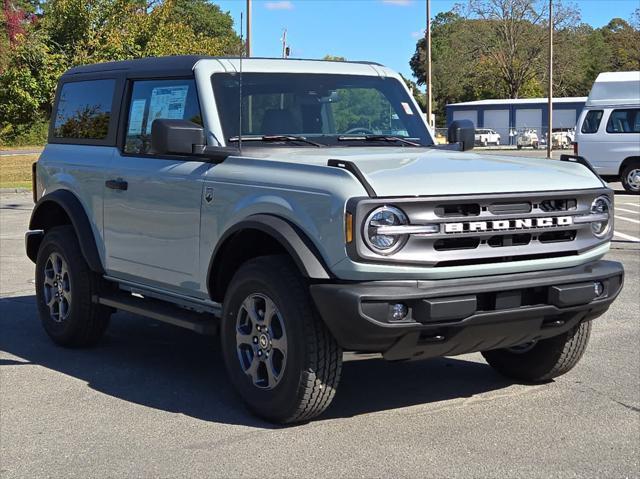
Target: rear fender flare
(72, 207)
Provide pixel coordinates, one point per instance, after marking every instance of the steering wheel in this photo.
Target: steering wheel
(359, 130)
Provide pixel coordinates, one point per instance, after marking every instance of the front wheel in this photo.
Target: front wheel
(279, 355)
(543, 360)
(630, 178)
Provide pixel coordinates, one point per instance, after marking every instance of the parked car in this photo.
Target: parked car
(562, 138)
(277, 216)
(528, 138)
(487, 136)
(609, 129)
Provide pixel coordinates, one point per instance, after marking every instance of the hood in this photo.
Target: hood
(397, 171)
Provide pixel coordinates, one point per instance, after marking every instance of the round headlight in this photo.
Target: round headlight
(384, 243)
(601, 205)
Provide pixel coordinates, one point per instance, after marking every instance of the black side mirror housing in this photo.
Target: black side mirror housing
(176, 137)
(462, 132)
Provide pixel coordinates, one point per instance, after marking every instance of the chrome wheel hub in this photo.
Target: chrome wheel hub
(633, 178)
(57, 287)
(261, 341)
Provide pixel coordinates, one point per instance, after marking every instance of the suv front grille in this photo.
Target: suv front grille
(487, 229)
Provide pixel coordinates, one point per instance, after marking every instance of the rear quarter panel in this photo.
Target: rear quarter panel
(80, 169)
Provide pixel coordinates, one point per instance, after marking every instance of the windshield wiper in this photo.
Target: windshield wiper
(276, 138)
(387, 138)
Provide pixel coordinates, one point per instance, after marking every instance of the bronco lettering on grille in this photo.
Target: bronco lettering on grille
(501, 225)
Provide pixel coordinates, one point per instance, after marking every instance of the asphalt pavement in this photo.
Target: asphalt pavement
(152, 400)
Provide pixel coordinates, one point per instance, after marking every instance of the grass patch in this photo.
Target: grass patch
(15, 171)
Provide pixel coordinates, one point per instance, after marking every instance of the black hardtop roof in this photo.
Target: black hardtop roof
(174, 65)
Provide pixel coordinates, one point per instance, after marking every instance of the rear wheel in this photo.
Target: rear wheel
(65, 287)
(542, 360)
(630, 178)
(279, 355)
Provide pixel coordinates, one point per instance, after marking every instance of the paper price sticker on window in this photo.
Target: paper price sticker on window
(407, 108)
(135, 117)
(168, 102)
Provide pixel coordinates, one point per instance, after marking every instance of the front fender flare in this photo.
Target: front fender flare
(76, 213)
(303, 252)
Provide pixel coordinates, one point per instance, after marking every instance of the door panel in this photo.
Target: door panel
(152, 205)
(152, 229)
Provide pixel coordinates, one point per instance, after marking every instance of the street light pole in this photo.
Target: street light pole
(248, 28)
(550, 99)
(428, 79)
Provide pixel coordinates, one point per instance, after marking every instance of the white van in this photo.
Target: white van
(608, 133)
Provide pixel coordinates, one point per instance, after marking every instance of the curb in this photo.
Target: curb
(15, 190)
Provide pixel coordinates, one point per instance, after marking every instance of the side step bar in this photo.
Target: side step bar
(201, 323)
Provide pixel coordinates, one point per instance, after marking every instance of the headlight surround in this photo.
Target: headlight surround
(602, 205)
(385, 216)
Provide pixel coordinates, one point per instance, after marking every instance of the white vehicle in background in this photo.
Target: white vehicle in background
(528, 138)
(487, 136)
(562, 138)
(608, 133)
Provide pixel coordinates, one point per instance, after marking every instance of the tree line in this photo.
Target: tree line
(480, 49)
(40, 39)
(486, 49)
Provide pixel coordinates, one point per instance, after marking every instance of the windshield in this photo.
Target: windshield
(330, 109)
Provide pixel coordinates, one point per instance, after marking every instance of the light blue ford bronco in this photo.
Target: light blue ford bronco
(301, 208)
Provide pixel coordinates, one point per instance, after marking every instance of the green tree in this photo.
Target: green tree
(73, 32)
(27, 84)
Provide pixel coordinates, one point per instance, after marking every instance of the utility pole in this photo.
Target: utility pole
(550, 99)
(248, 28)
(428, 70)
(284, 43)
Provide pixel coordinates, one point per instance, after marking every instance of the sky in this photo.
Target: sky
(384, 31)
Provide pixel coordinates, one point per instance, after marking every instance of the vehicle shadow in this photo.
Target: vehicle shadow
(171, 369)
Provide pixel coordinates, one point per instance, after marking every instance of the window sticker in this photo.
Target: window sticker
(167, 102)
(407, 108)
(135, 117)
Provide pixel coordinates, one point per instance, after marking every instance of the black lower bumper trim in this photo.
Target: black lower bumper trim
(405, 319)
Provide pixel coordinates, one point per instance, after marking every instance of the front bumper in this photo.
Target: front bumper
(449, 317)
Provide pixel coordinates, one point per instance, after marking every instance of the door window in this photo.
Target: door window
(155, 99)
(591, 122)
(624, 121)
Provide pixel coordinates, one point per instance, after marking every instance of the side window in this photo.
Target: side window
(624, 121)
(84, 110)
(592, 121)
(154, 99)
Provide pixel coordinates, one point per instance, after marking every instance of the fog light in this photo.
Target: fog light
(399, 311)
(598, 288)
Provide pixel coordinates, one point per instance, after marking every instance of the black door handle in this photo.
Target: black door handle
(117, 184)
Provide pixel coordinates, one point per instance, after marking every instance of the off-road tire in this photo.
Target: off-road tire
(546, 360)
(313, 361)
(86, 321)
(624, 178)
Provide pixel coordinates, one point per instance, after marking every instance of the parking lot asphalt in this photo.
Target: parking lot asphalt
(152, 400)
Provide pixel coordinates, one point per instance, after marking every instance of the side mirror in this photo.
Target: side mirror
(463, 132)
(176, 137)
